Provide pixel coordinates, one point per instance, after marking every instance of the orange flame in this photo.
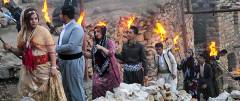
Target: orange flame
(6, 1)
(175, 39)
(102, 24)
(175, 42)
(127, 21)
(45, 12)
(160, 30)
(80, 19)
(130, 21)
(213, 49)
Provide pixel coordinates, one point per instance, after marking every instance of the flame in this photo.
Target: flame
(130, 21)
(6, 1)
(175, 39)
(126, 22)
(102, 24)
(45, 12)
(160, 30)
(175, 42)
(80, 19)
(213, 49)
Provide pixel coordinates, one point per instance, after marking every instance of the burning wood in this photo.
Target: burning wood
(213, 49)
(159, 29)
(45, 12)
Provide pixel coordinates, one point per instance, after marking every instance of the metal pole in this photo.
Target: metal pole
(212, 11)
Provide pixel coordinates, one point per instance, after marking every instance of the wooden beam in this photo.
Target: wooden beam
(183, 25)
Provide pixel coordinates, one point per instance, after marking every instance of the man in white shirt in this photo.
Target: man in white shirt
(167, 65)
(71, 59)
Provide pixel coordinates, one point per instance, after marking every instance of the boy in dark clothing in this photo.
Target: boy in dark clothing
(134, 59)
(205, 81)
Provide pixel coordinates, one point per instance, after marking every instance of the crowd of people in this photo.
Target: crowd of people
(55, 71)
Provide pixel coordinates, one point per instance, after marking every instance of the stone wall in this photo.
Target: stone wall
(219, 27)
(168, 14)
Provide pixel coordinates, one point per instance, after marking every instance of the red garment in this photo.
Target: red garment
(29, 59)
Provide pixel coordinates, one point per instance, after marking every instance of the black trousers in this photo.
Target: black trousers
(130, 77)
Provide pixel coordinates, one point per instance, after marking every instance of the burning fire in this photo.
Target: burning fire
(175, 39)
(175, 42)
(80, 19)
(130, 21)
(6, 1)
(102, 24)
(213, 49)
(45, 12)
(160, 30)
(126, 22)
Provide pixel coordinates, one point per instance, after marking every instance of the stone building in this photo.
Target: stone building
(221, 27)
(167, 12)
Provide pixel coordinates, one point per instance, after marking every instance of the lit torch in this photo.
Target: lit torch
(213, 49)
(46, 17)
(80, 19)
(161, 31)
(45, 12)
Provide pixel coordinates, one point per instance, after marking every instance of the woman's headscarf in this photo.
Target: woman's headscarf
(103, 67)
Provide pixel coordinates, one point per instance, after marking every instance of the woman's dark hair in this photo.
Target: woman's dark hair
(135, 29)
(27, 15)
(103, 30)
(159, 45)
(68, 10)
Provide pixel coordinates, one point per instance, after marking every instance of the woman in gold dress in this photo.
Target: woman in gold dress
(39, 77)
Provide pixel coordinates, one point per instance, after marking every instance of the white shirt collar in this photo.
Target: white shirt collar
(63, 31)
(65, 25)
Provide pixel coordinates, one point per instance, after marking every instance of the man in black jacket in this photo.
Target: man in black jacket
(205, 82)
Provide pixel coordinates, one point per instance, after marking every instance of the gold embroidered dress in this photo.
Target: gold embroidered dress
(38, 83)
